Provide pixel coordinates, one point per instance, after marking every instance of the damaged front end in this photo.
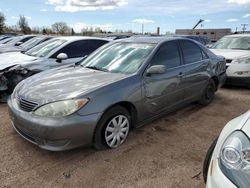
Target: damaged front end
(9, 78)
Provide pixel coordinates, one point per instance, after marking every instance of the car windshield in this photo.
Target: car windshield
(236, 43)
(5, 41)
(15, 40)
(30, 43)
(119, 57)
(45, 48)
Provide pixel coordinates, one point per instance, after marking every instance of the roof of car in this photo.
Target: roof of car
(239, 35)
(154, 40)
(75, 38)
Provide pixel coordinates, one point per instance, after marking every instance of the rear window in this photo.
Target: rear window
(191, 52)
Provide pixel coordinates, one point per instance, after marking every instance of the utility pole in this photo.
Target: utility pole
(244, 28)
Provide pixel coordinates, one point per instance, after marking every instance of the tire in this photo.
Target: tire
(207, 159)
(208, 94)
(117, 122)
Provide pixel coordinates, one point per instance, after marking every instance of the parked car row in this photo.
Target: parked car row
(68, 92)
(50, 53)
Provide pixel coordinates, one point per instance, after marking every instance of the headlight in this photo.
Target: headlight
(235, 159)
(61, 108)
(245, 60)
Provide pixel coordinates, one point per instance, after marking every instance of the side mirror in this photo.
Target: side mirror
(60, 57)
(156, 69)
(18, 43)
(209, 45)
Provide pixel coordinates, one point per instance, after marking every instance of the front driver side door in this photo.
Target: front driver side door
(162, 91)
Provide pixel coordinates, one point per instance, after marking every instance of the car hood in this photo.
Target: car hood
(246, 127)
(14, 58)
(231, 54)
(64, 83)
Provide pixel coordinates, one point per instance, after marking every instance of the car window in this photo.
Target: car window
(74, 49)
(94, 44)
(167, 55)
(191, 52)
(31, 42)
(120, 57)
(45, 48)
(235, 43)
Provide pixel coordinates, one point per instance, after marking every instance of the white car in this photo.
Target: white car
(16, 66)
(227, 164)
(236, 50)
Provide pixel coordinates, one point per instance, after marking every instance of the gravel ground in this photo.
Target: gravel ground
(166, 153)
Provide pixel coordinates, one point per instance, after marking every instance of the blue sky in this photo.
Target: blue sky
(129, 14)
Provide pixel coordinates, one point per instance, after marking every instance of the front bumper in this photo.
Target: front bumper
(238, 74)
(217, 179)
(55, 134)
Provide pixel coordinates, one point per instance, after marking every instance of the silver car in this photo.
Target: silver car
(121, 86)
(59, 51)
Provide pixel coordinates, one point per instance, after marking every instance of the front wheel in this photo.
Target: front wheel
(113, 128)
(208, 94)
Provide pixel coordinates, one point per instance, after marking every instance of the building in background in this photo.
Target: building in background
(212, 34)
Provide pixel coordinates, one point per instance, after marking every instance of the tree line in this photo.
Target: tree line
(60, 28)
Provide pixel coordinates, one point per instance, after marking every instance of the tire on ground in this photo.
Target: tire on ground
(99, 135)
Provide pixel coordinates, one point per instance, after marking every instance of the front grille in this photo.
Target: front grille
(229, 60)
(26, 105)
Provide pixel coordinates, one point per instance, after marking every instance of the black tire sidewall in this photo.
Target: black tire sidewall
(204, 101)
(99, 135)
(207, 159)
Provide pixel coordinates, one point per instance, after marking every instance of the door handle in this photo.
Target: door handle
(180, 75)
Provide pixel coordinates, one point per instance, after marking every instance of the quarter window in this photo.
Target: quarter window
(191, 52)
(167, 55)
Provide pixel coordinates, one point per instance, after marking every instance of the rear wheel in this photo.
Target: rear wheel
(208, 94)
(113, 128)
(207, 160)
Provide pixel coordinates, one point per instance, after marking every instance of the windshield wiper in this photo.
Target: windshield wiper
(97, 68)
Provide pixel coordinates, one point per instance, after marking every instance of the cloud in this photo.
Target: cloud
(143, 21)
(15, 17)
(80, 25)
(28, 17)
(232, 20)
(55, 2)
(246, 16)
(43, 10)
(239, 2)
(86, 5)
(207, 21)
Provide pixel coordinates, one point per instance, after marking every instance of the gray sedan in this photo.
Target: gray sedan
(121, 86)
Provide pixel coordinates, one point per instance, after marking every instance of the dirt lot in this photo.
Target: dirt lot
(167, 153)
